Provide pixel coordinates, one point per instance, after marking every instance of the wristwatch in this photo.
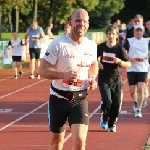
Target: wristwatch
(120, 63)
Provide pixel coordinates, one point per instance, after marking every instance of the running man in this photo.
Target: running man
(36, 36)
(138, 48)
(71, 63)
(15, 45)
(111, 56)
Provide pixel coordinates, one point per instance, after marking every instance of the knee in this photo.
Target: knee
(140, 90)
(79, 143)
(133, 95)
(56, 144)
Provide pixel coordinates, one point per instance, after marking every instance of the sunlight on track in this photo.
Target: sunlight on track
(22, 89)
(23, 117)
(9, 77)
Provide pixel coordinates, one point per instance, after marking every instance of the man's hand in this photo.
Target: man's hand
(100, 66)
(70, 75)
(92, 84)
(132, 60)
(116, 60)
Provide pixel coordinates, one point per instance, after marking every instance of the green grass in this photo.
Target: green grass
(8, 35)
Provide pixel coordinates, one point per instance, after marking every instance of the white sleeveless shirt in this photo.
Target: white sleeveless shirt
(16, 47)
(138, 49)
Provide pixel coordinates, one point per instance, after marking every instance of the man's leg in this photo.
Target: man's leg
(37, 63)
(140, 91)
(56, 141)
(79, 134)
(15, 69)
(32, 62)
(32, 67)
(105, 104)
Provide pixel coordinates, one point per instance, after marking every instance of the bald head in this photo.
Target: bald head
(78, 12)
(79, 23)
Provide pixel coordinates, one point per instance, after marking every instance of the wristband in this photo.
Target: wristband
(120, 63)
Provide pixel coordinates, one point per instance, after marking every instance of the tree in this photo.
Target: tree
(35, 8)
(101, 16)
(132, 8)
(61, 10)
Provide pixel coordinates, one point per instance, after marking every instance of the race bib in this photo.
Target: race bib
(34, 37)
(73, 85)
(139, 59)
(108, 57)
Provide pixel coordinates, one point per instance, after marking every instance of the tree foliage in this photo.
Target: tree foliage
(102, 12)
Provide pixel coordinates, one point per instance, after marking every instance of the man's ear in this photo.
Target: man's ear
(69, 23)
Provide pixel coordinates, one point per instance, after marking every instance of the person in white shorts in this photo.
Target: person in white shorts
(15, 45)
(71, 63)
(138, 48)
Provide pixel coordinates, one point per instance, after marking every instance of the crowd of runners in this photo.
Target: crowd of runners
(73, 62)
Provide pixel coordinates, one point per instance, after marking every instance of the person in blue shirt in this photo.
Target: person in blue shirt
(36, 36)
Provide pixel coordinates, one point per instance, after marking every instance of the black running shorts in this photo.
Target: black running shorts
(16, 58)
(60, 111)
(35, 53)
(135, 77)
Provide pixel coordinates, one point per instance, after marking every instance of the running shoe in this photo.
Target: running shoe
(15, 77)
(134, 105)
(104, 124)
(20, 73)
(112, 129)
(138, 114)
(144, 103)
(31, 76)
(38, 76)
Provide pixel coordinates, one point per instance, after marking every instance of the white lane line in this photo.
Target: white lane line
(22, 88)
(3, 145)
(91, 115)
(27, 114)
(9, 77)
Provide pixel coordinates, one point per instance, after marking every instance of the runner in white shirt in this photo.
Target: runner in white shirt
(15, 45)
(138, 48)
(70, 61)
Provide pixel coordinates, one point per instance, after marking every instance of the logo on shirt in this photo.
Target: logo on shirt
(84, 64)
(47, 53)
(87, 54)
(69, 56)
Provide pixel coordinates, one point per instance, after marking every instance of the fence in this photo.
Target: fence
(6, 57)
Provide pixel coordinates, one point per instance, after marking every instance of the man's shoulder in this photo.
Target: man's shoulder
(61, 39)
(88, 41)
(102, 44)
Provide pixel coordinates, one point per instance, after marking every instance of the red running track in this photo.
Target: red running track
(24, 126)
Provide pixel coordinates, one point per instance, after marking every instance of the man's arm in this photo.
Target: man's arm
(42, 35)
(93, 71)
(48, 71)
(26, 35)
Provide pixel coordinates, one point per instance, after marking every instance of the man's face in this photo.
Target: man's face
(112, 35)
(80, 23)
(138, 33)
(34, 25)
(138, 20)
(15, 35)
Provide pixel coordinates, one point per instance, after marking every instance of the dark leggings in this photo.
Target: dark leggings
(111, 100)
